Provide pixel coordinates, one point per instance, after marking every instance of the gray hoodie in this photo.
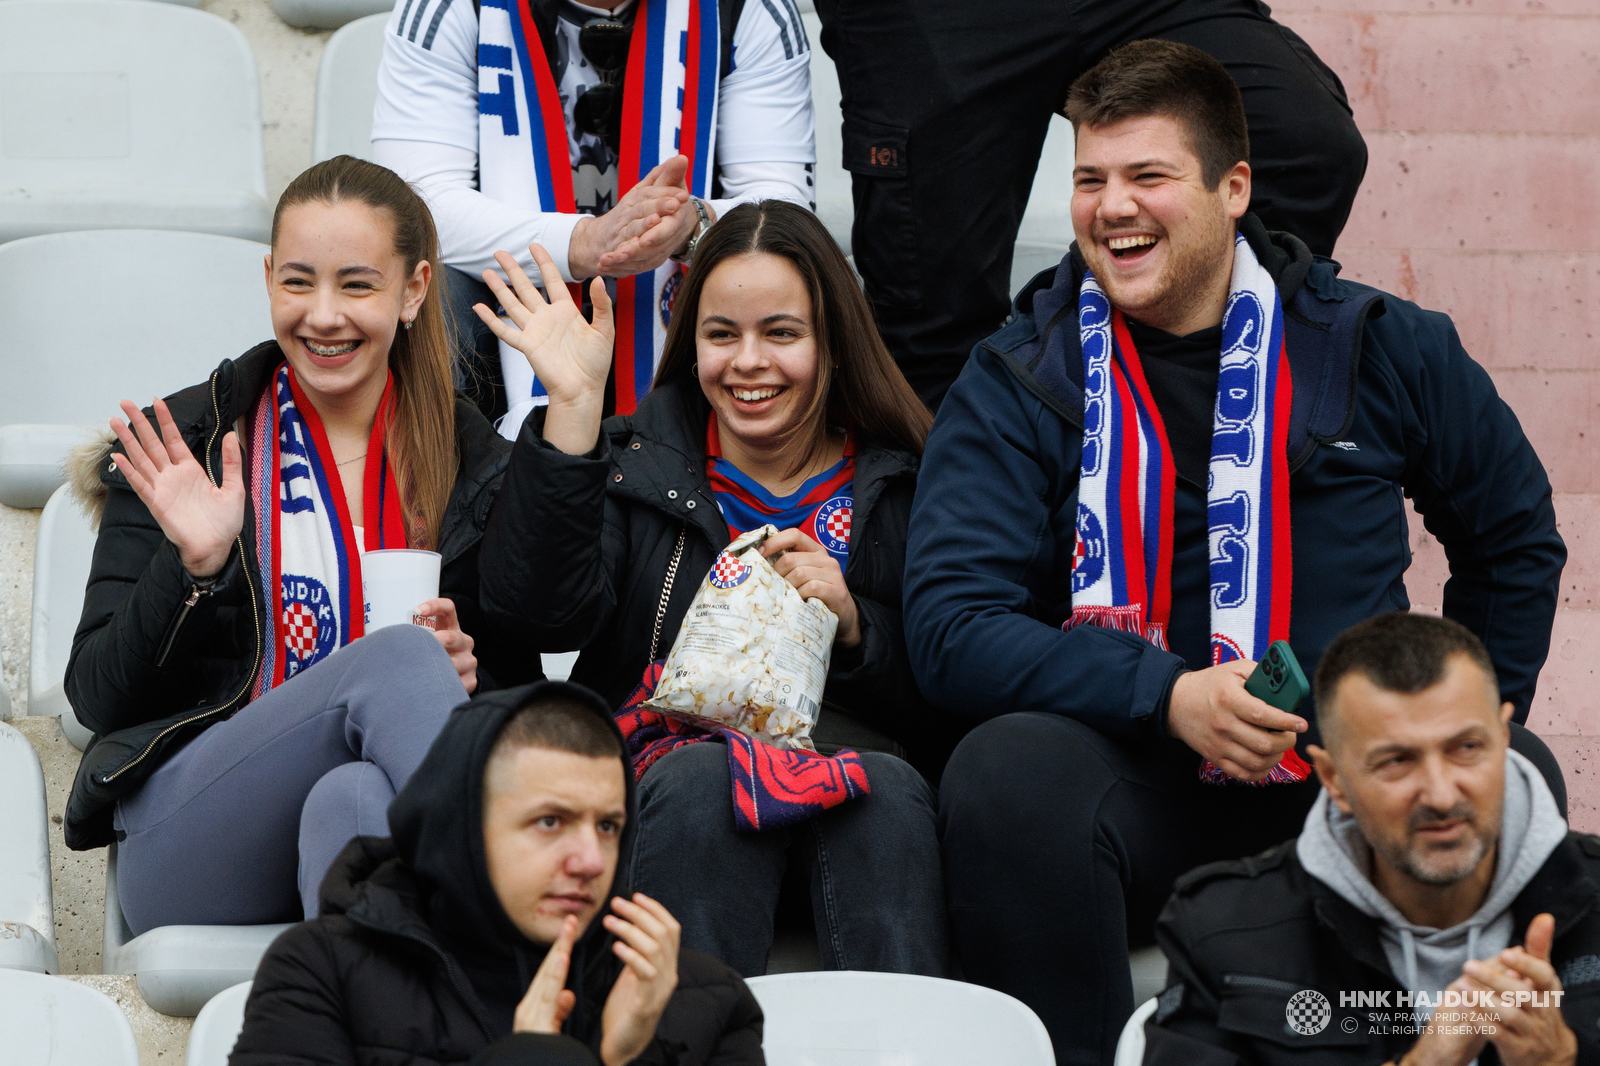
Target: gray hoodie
(1333, 851)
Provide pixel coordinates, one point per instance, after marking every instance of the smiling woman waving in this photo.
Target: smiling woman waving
(243, 731)
(776, 402)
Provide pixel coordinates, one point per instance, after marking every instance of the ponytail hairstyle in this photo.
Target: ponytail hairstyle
(421, 440)
(858, 384)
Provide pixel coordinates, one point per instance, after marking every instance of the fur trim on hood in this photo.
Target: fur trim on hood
(86, 466)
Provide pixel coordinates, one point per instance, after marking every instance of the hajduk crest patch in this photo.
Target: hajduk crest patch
(1122, 562)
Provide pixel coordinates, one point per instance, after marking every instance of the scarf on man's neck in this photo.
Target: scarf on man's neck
(305, 540)
(669, 106)
(1122, 562)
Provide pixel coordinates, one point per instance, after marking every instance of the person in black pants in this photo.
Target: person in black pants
(946, 104)
(1276, 417)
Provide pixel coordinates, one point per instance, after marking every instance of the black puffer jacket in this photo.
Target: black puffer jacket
(579, 548)
(415, 961)
(156, 660)
(1246, 936)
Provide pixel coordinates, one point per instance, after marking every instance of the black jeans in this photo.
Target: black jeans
(946, 104)
(1061, 847)
(873, 864)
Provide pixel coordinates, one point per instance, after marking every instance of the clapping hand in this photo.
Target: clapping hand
(202, 520)
(647, 941)
(1524, 1034)
(649, 223)
(548, 1001)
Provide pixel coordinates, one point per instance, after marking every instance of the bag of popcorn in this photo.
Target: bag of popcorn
(751, 654)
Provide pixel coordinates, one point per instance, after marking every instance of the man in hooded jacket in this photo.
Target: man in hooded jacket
(1435, 910)
(422, 952)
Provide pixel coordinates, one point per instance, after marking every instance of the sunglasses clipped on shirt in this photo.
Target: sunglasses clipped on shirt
(598, 109)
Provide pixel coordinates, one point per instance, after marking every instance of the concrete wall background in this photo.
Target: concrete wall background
(1484, 139)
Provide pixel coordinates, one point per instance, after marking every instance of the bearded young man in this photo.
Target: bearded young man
(1193, 439)
(1434, 874)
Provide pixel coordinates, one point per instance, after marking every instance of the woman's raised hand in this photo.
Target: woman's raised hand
(201, 519)
(571, 356)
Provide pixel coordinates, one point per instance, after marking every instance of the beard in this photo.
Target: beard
(1436, 866)
(1195, 258)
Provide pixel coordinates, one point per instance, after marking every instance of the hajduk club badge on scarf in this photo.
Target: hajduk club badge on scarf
(305, 540)
(1122, 565)
(669, 106)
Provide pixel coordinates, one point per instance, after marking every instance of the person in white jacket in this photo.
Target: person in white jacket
(708, 105)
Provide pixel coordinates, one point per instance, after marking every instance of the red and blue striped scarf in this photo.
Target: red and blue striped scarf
(772, 787)
(1122, 564)
(305, 541)
(821, 508)
(669, 106)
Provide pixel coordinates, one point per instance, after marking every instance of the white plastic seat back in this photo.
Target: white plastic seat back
(558, 665)
(1149, 971)
(27, 919)
(328, 14)
(50, 1021)
(347, 90)
(1046, 230)
(95, 317)
(179, 968)
(61, 557)
(846, 1018)
(124, 113)
(216, 1028)
(836, 205)
(1130, 1045)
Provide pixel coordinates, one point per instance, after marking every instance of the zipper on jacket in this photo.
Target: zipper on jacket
(255, 614)
(195, 592)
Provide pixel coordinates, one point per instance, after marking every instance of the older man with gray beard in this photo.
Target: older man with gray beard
(1435, 911)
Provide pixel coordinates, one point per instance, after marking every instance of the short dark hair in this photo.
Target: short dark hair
(1398, 652)
(559, 723)
(1176, 80)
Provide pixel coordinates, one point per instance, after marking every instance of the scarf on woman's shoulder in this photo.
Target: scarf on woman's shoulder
(1122, 562)
(305, 540)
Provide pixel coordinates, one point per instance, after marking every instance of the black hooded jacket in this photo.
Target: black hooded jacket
(414, 960)
(577, 553)
(158, 659)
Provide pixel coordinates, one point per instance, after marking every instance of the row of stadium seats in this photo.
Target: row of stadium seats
(868, 1018)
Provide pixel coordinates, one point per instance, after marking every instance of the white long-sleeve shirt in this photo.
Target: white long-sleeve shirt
(425, 125)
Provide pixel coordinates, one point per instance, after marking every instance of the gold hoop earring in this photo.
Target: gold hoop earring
(694, 369)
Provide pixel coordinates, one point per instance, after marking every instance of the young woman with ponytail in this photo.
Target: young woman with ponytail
(245, 728)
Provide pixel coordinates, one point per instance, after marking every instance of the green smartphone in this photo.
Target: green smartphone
(1278, 679)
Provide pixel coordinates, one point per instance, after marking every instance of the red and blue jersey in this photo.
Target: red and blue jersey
(820, 508)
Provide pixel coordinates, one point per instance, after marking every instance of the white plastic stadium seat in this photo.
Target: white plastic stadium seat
(127, 114)
(328, 14)
(50, 1021)
(881, 1019)
(1046, 230)
(216, 1028)
(179, 968)
(347, 89)
(27, 920)
(1149, 968)
(1130, 1045)
(95, 317)
(62, 553)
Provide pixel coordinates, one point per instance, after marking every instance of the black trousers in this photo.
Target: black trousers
(946, 105)
(1061, 847)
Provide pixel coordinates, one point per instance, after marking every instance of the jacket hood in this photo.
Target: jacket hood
(1425, 959)
(437, 826)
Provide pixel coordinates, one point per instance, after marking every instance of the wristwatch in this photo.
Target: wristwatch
(687, 254)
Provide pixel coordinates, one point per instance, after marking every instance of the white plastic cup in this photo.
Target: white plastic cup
(395, 581)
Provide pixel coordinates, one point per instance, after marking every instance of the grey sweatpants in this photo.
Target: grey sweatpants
(239, 827)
